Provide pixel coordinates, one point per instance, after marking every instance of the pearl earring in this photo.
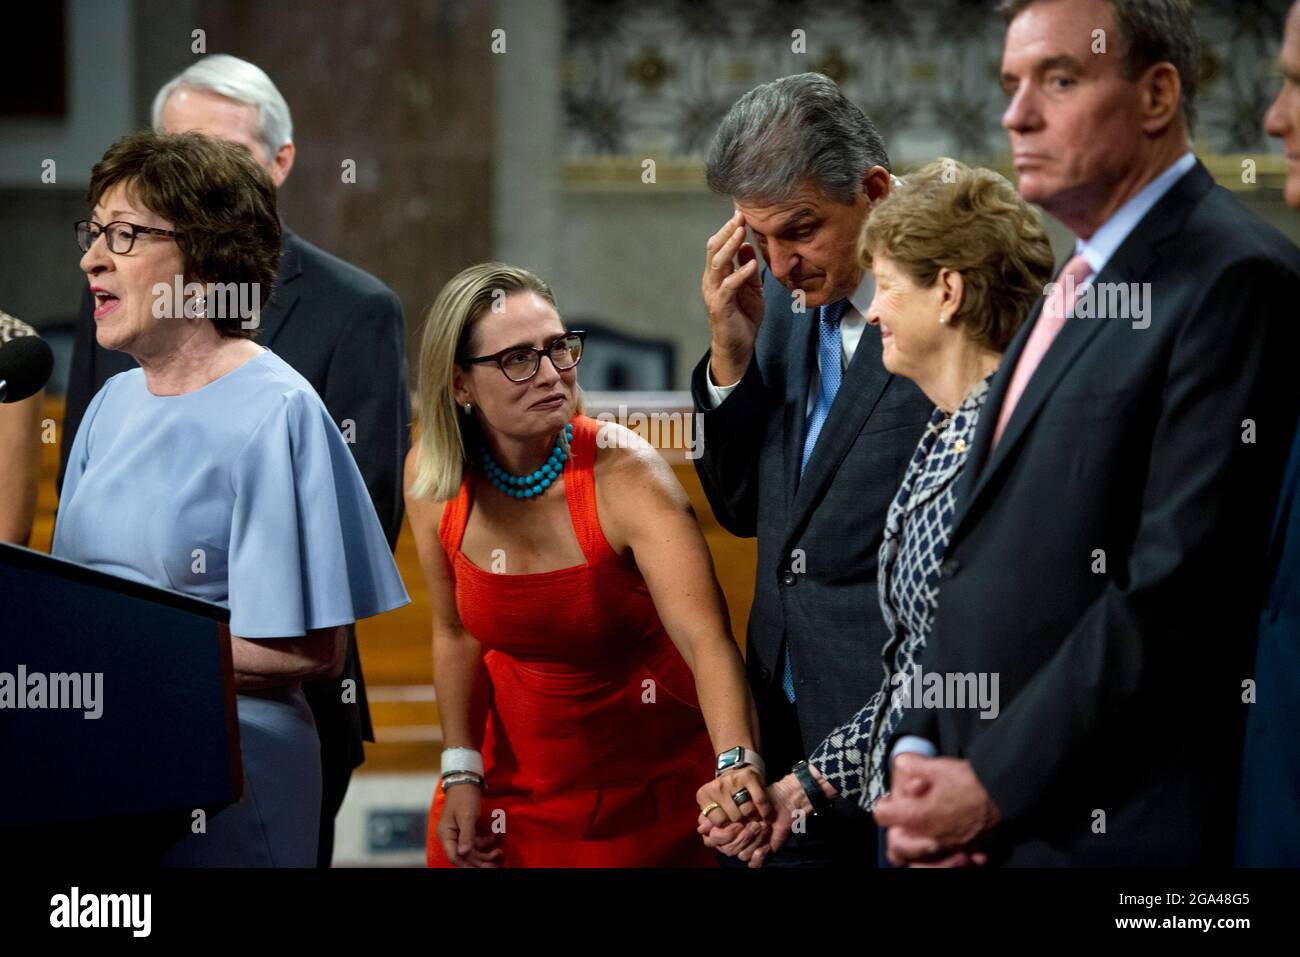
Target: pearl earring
(943, 321)
(468, 407)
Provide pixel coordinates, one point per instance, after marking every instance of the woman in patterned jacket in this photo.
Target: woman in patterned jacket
(959, 260)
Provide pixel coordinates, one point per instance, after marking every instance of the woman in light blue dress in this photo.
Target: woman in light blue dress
(215, 470)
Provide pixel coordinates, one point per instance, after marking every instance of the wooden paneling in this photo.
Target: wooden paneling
(47, 499)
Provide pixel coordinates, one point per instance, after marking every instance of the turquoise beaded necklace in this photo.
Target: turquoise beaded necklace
(535, 483)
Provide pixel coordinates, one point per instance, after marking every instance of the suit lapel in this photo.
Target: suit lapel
(1065, 349)
(798, 373)
(983, 438)
(1130, 263)
(285, 296)
(864, 381)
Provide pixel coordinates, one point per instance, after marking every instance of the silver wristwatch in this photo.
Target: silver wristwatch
(740, 757)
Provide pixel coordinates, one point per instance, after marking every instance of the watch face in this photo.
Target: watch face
(727, 758)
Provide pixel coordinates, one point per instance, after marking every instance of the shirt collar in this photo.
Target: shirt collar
(861, 297)
(1106, 240)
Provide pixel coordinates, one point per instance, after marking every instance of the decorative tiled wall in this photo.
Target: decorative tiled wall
(653, 77)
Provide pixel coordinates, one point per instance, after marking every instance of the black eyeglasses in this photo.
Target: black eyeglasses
(520, 363)
(119, 234)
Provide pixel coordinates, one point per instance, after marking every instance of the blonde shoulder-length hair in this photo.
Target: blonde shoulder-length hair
(446, 434)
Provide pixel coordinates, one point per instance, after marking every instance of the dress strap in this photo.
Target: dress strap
(451, 530)
(580, 491)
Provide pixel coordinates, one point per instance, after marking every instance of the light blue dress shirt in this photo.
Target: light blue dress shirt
(1098, 248)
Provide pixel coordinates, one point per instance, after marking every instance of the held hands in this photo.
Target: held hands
(937, 813)
(733, 295)
(456, 829)
(755, 837)
(735, 830)
(723, 789)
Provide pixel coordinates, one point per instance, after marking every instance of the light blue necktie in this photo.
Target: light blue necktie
(830, 350)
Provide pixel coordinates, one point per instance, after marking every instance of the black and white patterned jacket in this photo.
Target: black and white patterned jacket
(915, 537)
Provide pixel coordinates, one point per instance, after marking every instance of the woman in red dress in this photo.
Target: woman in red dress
(584, 664)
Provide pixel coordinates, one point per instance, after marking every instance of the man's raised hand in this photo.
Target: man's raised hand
(733, 296)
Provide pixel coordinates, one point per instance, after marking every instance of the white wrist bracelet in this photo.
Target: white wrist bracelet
(462, 759)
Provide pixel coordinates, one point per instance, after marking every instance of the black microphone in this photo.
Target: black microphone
(25, 366)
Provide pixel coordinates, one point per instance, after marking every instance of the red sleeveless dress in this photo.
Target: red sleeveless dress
(595, 744)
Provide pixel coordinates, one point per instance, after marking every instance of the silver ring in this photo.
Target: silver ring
(741, 797)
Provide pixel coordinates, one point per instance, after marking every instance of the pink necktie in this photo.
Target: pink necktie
(1050, 322)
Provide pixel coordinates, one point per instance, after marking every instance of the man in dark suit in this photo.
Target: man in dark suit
(1268, 830)
(806, 436)
(1106, 551)
(338, 326)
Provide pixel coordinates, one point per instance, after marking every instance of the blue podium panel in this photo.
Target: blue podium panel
(116, 698)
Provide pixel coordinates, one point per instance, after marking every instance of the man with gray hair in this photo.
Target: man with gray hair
(806, 435)
(340, 327)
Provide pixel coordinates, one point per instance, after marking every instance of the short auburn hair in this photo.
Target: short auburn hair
(947, 215)
(220, 202)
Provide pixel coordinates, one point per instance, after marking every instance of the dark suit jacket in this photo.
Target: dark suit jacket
(342, 330)
(818, 535)
(1121, 689)
(1269, 826)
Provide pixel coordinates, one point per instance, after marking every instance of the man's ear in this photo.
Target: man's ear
(281, 164)
(876, 183)
(1160, 97)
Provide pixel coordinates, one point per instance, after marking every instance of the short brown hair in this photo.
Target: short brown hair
(1153, 31)
(947, 215)
(221, 203)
